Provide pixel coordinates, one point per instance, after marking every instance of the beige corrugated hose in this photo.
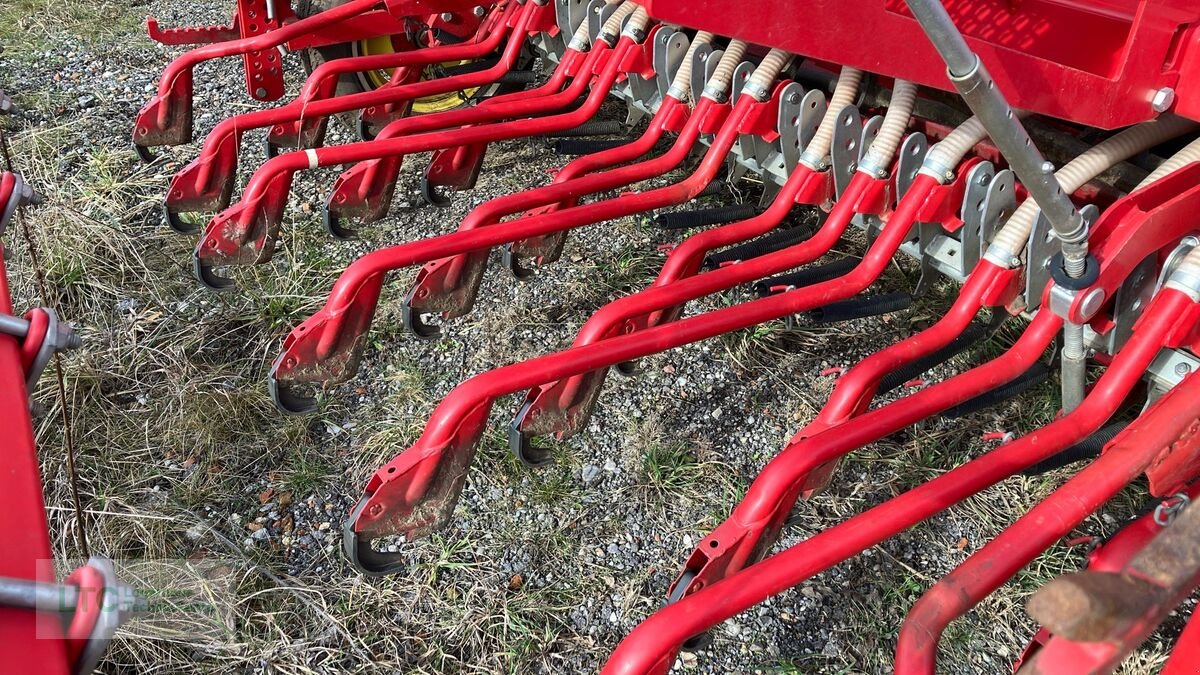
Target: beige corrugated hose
(1011, 238)
(770, 67)
(723, 74)
(612, 27)
(895, 123)
(843, 95)
(637, 23)
(1188, 155)
(682, 84)
(1190, 265)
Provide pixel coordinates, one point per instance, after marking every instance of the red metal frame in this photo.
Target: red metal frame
(651, 647)
(1172, 420)
(1124, 606)
(33, 641)
(415, 492)
(1096, 62)
(207, 182)
(167, 118)
(246, 232)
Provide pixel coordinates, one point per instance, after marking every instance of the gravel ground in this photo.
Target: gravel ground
(541, 570)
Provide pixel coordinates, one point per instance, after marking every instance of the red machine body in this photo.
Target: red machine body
(1098, 63)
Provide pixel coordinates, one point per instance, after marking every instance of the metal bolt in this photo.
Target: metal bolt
(793, 98)
(1182, 369)
(982, 180)
(1047, 167)
(1092, 302)
(447, 16)
(260, 92)
(479, 11)
(1163, 99)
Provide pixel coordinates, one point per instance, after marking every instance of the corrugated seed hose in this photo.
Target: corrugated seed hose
(895, 123)
(844, 94)
(1011, 238)
(637, 23)
(1189, 154)
(612, 27)
(682, 84)
(723, 74)
(770, 67)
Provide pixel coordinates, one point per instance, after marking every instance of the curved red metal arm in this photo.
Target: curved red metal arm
(245, 233)
(1125, 458)
(651, 647)
(207, 182)
(326, 347)
(167, 118)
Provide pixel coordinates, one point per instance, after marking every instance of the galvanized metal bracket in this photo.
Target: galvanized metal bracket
(569, 14)
(998, 207)
(1042, 246)
(847, 139)
(913, 149)
(744, 155)
(798, 122)
(598, 13)
(1131, 298)
(704, 64)
(669, 51)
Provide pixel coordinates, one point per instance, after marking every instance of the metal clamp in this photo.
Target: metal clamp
(1167, 509)
(59, 337)
(115, 600)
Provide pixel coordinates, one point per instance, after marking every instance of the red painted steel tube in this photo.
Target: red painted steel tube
(33, 641)
(238, 235)
(663, 301)
(207, 181)
(1186, 654)
(171, 107)
(352, 189)
(651, 647)
(325, 348)
(1124, 459)
(449, 285)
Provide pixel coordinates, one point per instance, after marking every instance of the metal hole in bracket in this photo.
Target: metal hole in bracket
(848, 122)
(979, 206)
(812, 104)
(953, 252)
(1003, 187)
(850, 145)
(914, 151)
(797, 144)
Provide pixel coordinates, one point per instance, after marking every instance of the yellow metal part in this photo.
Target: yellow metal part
(421, 106)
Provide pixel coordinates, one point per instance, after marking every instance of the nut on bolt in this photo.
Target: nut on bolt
(1163, 99)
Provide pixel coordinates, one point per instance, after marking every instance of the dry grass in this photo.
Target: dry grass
(177, 445)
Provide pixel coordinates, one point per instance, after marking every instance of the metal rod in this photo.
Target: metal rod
(38, 596)
(977, 88)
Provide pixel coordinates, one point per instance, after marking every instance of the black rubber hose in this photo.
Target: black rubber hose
(807, 276)
(1029, 379)
(466, 68)
(586, 146)
(973, 334)
(1086, 449)
(517, 77)
(682, 220)
(712, 189)
(445, 37)
(593, 128)
(859, 308)
(774, 241)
